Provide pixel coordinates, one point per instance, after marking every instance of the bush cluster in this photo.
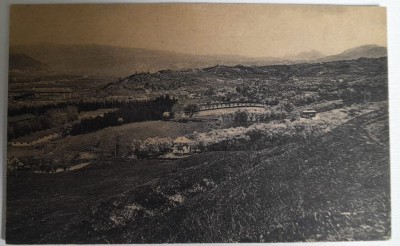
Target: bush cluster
(258, 135)
(151, 147)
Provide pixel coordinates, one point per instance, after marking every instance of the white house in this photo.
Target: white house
(182, 145)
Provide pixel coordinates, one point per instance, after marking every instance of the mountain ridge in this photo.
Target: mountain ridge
(121, 61)
(366, 51)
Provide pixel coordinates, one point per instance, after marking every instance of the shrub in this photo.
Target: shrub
(151, 147)
(240, 118)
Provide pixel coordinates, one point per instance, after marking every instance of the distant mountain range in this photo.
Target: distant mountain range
(366, 51)
(120, 62)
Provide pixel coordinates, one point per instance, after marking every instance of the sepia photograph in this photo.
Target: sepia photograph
(197, 123)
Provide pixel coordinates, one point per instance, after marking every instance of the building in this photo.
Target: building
(309, 113)
(182, 145)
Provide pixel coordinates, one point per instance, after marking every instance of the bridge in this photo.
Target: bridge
(212, 106)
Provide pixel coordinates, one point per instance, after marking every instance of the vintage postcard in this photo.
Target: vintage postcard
(197, 123)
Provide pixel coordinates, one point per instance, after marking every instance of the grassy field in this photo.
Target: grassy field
(331, 188)
(217, 112)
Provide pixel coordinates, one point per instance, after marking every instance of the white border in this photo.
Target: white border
(393, 13)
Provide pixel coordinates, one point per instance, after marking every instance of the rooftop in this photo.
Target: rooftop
(182, 140)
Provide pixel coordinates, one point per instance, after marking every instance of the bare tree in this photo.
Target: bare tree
(191, 109)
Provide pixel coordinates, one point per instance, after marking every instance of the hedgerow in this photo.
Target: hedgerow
(256, 136)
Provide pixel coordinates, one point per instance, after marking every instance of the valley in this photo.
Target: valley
(186, 155)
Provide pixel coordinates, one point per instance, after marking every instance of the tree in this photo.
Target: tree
(240, 118)
(285, 105)
(191, 109)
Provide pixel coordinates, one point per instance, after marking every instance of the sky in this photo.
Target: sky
(254, 30)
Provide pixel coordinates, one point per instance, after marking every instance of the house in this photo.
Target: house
(182, 145)
(309, 113)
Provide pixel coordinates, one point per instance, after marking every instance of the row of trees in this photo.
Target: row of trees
(82, 105)
(244, 118)
(132, 112)
(62, 115)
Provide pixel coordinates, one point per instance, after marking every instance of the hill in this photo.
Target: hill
(334, 187)
(366, 51)
(216, 78)
(24, 63)
(301, 192)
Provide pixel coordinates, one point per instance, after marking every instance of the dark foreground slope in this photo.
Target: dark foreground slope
(335, 187)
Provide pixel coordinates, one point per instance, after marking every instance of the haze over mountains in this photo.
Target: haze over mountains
(120, 62)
